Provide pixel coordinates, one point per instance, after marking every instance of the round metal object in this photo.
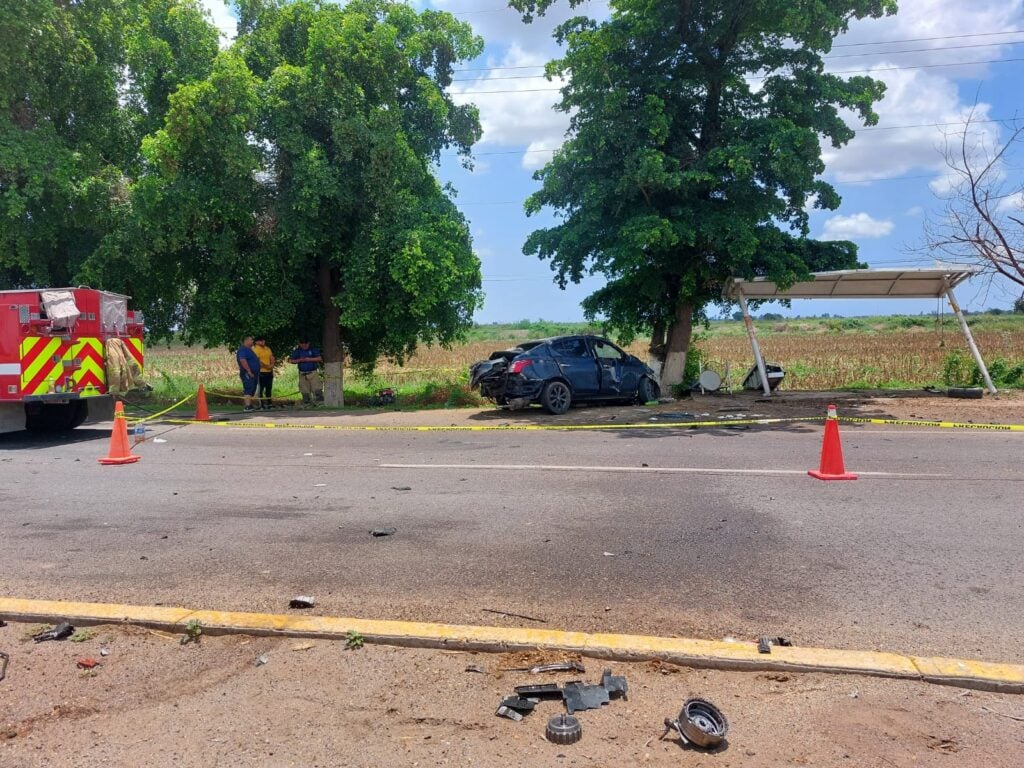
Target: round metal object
(702, 724)
(710, 381)
(563, 729)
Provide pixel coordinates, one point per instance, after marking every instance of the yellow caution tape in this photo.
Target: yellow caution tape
(165, 410)
(725, 423)
(937, 424)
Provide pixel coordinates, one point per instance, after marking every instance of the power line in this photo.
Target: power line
(837, 72)
(827, 58)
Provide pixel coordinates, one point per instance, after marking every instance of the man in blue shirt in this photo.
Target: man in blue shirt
(248, 370)
(308, 358)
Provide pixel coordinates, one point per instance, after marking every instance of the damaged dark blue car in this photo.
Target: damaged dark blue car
(558, 372)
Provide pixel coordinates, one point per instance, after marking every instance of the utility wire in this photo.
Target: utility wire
(837, 72)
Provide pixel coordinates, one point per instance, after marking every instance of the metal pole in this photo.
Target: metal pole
(970, 340)
(753, 342)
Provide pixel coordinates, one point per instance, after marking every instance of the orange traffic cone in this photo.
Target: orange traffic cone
(831, 452)
(119, 452)
(201, 413)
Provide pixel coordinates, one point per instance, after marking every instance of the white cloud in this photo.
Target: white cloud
(914, 212)
(522, 111)
(859, 226)
(223, 18)
(1013, 203)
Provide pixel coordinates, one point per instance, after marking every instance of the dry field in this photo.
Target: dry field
(814, 360)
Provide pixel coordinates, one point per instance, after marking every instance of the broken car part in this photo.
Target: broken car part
(476, 668)
(519, 704)
(700, 723)
(765, 643)
(510, 713)
(302, 601)
(579, 696)
(380, 532)
(558, 666)
(59, 632)
(86, 663)
(616, 685)
(563, 729)
(545, 691)
(4, 659)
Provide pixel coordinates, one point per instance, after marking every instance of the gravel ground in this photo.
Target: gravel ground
(155, 702)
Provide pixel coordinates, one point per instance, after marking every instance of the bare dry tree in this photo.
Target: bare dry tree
(983, 220)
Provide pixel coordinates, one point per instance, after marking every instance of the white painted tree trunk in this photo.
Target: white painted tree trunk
(334, 389)
(672, 371)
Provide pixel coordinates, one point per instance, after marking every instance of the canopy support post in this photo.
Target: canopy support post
(753, 343)
(970, 339)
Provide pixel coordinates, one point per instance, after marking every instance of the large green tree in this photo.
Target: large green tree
(293, 190)
(694, 151)
(80, 84)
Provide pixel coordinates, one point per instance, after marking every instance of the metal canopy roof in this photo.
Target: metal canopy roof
(927, 283)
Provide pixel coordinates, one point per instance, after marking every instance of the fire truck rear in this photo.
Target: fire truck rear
(62, 356)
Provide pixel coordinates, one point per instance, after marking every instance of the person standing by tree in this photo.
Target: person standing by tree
(310, 385)
(248, 370)
(266, 375)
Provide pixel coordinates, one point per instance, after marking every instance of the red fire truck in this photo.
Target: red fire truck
(56, 350)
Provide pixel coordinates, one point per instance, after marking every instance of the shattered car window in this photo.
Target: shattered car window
(572, 347)
(606, 351)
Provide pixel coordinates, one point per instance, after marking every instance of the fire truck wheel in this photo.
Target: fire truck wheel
(57, 417)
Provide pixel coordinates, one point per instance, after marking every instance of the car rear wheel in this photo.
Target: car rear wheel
(647, 390)
(556, 397)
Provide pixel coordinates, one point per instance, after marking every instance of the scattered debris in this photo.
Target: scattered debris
(104, 651)
(302, 601)
(563, 729)
(764, 644)
(193, 631)
(3, 623)
(616, 685)
(87, 663)
(558, 666)
(476, 668)
(510, 713)
(855, 694)
(303, 647)
(354, 640)
(59, 632)
(401, 488)
(514, 615)
(945, 746)
(82, 635)
(159, 440)
(579, 696)
(543, 691)
(700, 723)
(609, 554)
(4, 659)
(319, 485)
(379, 532)
(517, 704)
(262, 659)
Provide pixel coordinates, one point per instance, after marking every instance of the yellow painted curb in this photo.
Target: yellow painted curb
(707, 654)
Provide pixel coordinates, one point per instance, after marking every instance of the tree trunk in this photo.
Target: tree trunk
(332, 350)
(677, 348)
(656, 351)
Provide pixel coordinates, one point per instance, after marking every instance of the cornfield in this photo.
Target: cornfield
(815, 357)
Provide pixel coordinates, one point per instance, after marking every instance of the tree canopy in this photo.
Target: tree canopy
(694, 151)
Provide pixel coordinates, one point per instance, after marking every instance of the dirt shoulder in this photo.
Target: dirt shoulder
(1006, 408)
(156, 702)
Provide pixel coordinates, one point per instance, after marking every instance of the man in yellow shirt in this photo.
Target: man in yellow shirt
(266, 378)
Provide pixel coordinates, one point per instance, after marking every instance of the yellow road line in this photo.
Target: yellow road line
(709, 654)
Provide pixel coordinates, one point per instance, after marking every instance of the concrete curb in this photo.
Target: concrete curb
(706, 654)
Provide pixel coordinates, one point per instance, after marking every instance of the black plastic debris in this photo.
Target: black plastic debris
(544, 691)
(60, 632)
(401, 488)
(379, 532)
(579, 696)
(519, 704)
(302, 601)
(765, 643)
(4, 659)
(616, 685)
(476, 668)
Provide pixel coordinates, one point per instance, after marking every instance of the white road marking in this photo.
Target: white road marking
(657, 470)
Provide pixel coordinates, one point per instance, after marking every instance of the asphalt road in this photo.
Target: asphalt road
(697, 533)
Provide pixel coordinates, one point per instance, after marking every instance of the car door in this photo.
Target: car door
(617, 379)
(577, 364)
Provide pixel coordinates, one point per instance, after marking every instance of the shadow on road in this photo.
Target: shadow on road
(25, 440)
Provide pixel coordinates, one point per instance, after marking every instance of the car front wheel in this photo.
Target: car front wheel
(556, 397)
(647, 391)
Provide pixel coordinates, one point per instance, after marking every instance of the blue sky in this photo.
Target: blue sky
(891, 178)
